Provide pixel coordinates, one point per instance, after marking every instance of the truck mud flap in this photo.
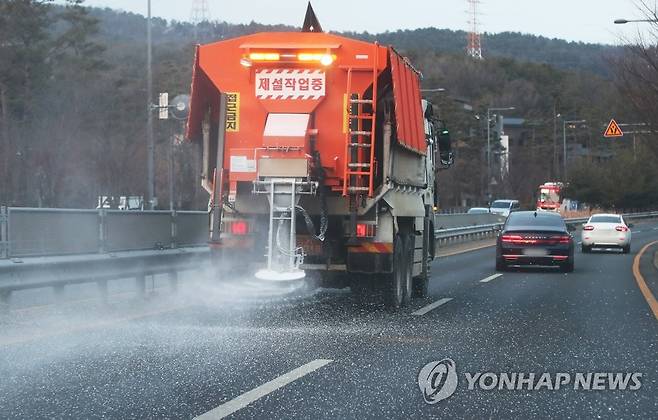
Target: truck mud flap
(370, 258)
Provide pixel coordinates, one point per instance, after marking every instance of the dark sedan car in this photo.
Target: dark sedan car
(535, 238)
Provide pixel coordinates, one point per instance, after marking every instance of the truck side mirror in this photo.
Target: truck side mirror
(445, 145)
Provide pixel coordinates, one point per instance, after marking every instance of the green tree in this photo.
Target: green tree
(24, 70)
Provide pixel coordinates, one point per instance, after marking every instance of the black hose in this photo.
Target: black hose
(320, 175)
(311, 226)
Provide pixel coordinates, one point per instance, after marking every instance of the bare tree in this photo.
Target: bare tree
(637, 72)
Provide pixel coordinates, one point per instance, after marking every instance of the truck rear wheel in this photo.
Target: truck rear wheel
(408, 269)
(395, 281)
(421, 283)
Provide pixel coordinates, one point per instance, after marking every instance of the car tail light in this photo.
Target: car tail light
(588, 227)
(239, 227)
(621, 229)
(518, 239)
(564, 239)
(364, 230)
(511, 238)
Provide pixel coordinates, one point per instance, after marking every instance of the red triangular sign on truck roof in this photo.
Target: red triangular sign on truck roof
(613, 130)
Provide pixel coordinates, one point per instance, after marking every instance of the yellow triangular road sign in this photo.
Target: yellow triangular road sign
(613, 130)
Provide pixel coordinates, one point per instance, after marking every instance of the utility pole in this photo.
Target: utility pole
(564, 145)
(555, 117)
(150, 146)
(509, 108)
(564, 151)
(634, 132)
(171, 166)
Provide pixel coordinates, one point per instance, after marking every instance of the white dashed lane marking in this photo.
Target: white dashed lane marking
(426, 309)
(488, 279)
(247, 398)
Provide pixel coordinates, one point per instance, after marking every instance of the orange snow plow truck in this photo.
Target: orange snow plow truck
(319, 155)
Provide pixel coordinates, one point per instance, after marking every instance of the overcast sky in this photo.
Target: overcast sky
(574, 20)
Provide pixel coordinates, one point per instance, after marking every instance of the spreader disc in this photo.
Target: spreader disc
(271, 275)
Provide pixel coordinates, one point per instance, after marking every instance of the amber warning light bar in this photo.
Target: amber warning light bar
(325, 59)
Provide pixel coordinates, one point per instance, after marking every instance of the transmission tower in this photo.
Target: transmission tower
(474, 48)
(200, 12)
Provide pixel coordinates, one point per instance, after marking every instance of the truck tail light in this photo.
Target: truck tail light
(621, 229)
(239, 227)
(588, 227)
(364, 230)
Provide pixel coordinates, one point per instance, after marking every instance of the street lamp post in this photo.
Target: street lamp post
(564, 145)
(510, 108)
(624, 21)
(150, 144)
(634, 132)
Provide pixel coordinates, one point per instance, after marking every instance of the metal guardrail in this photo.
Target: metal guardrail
(447, 221)
(60, 271)
(33, 232)
(43, 247)
(467, 233)
(112, 245)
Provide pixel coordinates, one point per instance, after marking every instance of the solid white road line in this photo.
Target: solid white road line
(426, 309)
(488, 279)
(247, 398)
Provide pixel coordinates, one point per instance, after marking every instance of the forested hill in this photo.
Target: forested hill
(118, 27)
(91, 71)
(557, 52)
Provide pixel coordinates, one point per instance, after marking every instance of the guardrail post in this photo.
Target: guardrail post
(5, 298)
(102, 231)
(102, 288)
(140, 282)
(4, 231)
(174, 229)
(173, 280)
(59, 291)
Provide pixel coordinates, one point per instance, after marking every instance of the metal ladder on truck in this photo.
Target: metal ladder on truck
(360, 137)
